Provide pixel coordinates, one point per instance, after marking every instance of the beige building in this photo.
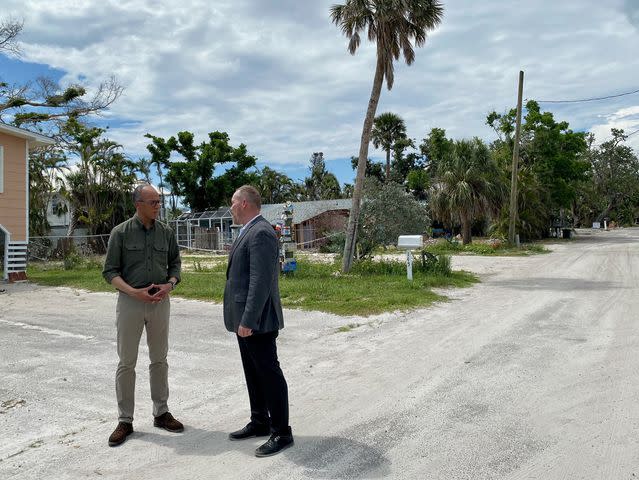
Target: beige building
(15, 144)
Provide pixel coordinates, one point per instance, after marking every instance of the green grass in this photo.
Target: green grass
(314, 286)
(482, 248)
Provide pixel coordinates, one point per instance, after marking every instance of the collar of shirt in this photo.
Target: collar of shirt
(246, 225)
(141, 225)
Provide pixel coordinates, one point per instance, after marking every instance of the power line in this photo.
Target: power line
(588, 99)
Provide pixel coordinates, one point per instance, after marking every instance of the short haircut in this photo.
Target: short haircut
(251, 195)
(137, 192)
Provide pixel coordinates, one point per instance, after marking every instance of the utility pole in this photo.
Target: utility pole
(513, 182)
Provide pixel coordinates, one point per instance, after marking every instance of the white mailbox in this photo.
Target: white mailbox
(410, 242)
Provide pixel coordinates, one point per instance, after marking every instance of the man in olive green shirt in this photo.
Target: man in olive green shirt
(143, 263)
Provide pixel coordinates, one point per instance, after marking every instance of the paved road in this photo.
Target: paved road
(532, 374)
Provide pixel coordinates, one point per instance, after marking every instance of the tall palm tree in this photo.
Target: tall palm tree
(388, 128)
(468, 185)
(394, 25)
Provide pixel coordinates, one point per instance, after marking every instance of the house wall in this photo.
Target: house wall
(13, 202)
(326, 223)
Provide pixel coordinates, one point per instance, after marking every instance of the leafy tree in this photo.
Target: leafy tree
(321, 185)
(550, 151)
(46, 172)
(99, 188)
(418, 183)
(615, 178)
(434, 148)
(534, 218)
(550, 148)
(373, 169)
(392, 25)
(404, 162)
(193, 178)
(276, 187)
(467, 185)
(388, 129)
(387, 212)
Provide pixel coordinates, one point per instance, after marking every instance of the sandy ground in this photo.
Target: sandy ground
(532, 374)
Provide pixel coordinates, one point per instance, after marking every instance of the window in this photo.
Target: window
(1, 169)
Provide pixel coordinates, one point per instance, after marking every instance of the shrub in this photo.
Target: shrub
(72, 260)
(439, 265)
(334, 244)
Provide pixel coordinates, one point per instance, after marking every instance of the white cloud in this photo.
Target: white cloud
(277, 76)
(626, 119)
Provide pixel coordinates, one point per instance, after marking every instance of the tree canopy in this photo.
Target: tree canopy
(193, 177)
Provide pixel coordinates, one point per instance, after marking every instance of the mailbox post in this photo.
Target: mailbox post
(408, 243)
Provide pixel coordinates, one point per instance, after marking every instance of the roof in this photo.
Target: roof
(35, 139)
(303, 211)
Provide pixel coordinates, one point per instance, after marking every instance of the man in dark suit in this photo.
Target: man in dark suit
(252, 309)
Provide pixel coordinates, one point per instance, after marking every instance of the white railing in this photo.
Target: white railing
(15, 257)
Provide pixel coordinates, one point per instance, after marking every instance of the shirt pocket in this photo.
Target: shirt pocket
(134, 250)
(161, 251)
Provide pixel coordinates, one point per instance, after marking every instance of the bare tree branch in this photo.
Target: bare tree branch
(9, 31)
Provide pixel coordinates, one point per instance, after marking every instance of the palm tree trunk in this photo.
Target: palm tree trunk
(353, 219)
(388, 165)
(466, 233)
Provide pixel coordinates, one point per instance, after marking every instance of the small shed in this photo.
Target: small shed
(15, 144)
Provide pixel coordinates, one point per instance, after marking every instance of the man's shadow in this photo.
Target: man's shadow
(320, 457)
(193, 441)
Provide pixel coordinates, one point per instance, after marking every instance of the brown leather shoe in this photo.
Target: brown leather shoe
(167, 422)
(120, 433)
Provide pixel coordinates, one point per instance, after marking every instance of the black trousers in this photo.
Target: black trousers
(267, 389)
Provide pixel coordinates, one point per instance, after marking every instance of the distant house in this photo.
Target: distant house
(15, 144)
(313, 220)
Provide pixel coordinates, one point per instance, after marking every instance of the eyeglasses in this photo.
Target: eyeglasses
(153, 203)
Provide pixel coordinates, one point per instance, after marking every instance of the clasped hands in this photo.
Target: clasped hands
(160, 291)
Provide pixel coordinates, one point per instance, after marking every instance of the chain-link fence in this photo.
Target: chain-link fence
(57, 247)
(190, 237)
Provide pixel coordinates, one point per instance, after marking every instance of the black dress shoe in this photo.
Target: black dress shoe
(250, 431)
(274, 445)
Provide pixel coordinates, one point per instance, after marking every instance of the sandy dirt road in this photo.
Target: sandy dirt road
(532, 374)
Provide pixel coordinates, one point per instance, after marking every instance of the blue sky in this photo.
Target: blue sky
(277, 77)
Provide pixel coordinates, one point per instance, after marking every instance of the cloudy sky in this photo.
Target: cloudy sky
(276, 75)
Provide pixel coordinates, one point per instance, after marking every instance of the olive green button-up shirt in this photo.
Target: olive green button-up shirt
(140, 256)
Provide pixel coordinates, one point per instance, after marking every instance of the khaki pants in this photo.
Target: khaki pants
(131, 317)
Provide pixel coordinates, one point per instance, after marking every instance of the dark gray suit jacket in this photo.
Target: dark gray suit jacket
(252, 292)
